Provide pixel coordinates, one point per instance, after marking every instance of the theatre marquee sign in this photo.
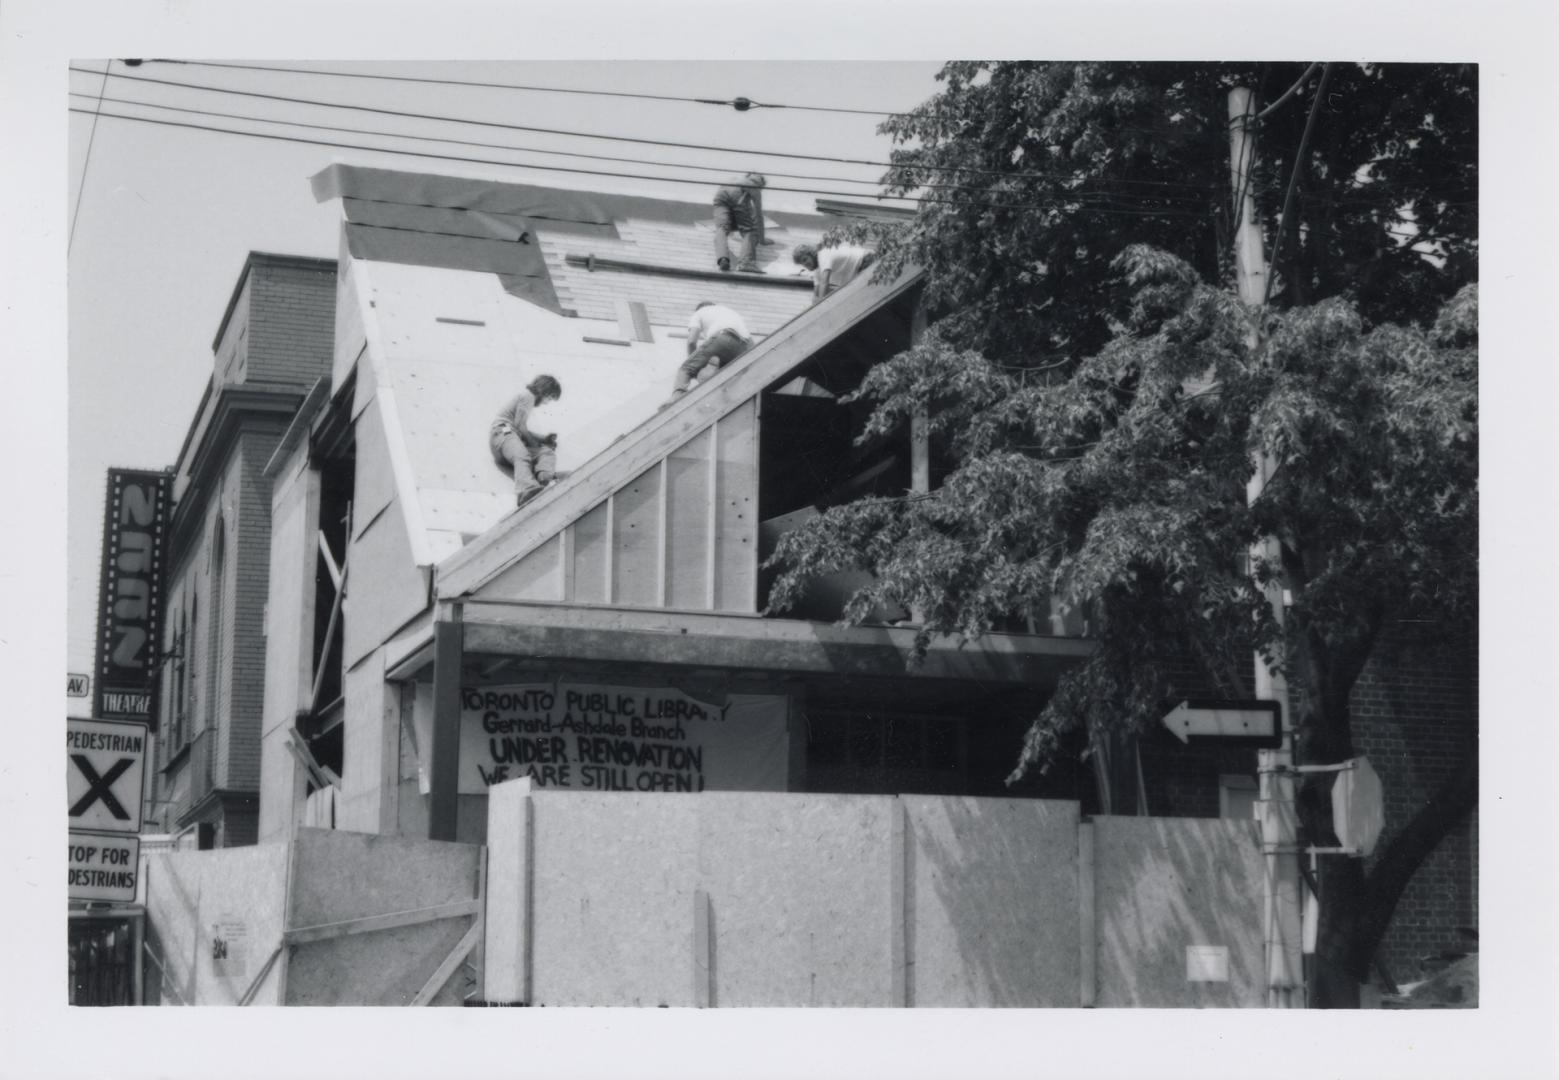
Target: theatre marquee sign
(129, 619)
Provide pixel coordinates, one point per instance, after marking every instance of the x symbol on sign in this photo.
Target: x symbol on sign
(99, 788)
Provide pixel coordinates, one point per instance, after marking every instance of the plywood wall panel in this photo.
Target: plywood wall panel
(993, 887)
(588, 581)
(538, 576)
(636, 540)
(688, 507)
(736, 505)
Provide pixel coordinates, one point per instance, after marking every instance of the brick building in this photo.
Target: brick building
(273, 344)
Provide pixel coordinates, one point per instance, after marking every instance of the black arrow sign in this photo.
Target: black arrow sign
(99, 788)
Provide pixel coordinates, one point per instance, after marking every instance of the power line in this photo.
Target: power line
(1060, 202)
(740, 104)
(1106, 197)
(1293, 180)
(81, 189)
(610, 138)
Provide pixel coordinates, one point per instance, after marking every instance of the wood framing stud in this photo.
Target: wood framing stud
(448, 654)
(703, 943)
(1087, 919)
(898, 896)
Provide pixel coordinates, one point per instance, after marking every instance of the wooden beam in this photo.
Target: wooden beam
(701, 639)
(597, 262)
(448, 655)
(703, 947)
(1088, 971)
(610, 592)
(662, 543)
(898, 929)
(768, 362)
(711, 547)
(390, 920)
(447, 967)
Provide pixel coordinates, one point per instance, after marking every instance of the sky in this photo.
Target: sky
(163, 217)
(106, 339)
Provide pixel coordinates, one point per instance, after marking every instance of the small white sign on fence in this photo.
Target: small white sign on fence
(1206, 963)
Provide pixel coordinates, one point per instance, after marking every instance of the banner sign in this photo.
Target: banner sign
(621, 738)
(129, 620)
(103, 867)
(105, 771)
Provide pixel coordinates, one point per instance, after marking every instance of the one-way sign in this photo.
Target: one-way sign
(105, 771)
(1229, 723)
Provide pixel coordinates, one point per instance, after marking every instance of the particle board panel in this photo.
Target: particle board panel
(969, 944)
(590, 563)
(197, 898)
(289, 636)
(736, 508)
(384, 588)
(343, 875)
(1165, 885)
(374, 484)
(800, 890)
(636, 540)
(613, 923)
(538, 576)
(688, 510)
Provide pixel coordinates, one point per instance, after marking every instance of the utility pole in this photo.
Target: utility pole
(1276, 809)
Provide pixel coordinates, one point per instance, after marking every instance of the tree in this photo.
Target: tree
(1097, 402)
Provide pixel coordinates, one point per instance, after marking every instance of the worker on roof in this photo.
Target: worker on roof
(739, 208)
(716, 335)
(533, 457)
(833, 267)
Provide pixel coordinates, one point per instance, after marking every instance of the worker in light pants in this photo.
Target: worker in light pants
(739, 208)
(716, 335)
(533, 457)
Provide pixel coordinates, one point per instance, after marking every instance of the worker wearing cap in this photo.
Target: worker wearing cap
(716, 335)
(533, 457)
(833, 267)
(739, 208)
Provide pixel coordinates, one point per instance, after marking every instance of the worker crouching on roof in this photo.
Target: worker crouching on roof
(739, 208)
(533, 457)
(833, 267)
(716, 335)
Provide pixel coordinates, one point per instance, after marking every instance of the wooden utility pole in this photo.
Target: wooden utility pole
(1276, 810)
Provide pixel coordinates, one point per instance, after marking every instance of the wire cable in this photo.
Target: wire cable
(1293, 181)
(81, 189)
(1290, 92)
(1104, 198)
(611, 138)
(1060, 203)
(740, 104)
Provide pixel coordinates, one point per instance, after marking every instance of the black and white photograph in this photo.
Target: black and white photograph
(903, 565)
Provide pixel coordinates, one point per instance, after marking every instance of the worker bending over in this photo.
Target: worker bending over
(739, 208)
(716, 335)
(833, 267)
(533, 457)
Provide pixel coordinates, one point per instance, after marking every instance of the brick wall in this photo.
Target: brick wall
(292, 313)
(1410, 711)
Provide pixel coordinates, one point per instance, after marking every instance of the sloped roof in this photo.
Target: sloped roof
(467, 289)
(768, 363)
